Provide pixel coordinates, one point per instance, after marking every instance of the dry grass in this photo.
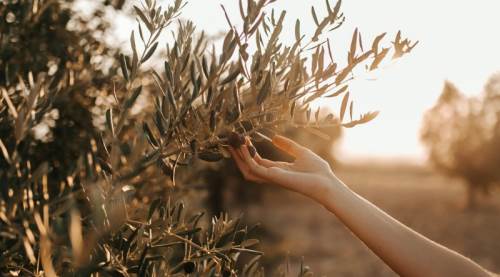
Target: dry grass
(425, 201)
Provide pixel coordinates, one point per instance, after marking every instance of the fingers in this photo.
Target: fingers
(253, 166)
(265, 162)
(286, 175)
(292, 180)
(243, 167)
(277, 175)
(287, 145)
(269, 163)
(257, 168)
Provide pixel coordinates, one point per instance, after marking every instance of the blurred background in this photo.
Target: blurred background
(431, 158)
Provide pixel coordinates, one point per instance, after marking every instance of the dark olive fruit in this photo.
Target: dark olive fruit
(189, 267)
(252, 150)
(236, 140)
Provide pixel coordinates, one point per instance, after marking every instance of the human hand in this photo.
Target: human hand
(308, 174)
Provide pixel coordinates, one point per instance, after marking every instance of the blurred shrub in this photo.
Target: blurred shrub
(462, 135)
(90, 162)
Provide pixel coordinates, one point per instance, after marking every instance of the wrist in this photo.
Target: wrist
(329, 187)
(333, 189)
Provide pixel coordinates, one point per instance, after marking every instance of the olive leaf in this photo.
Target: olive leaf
(150, 52)
(343, 106)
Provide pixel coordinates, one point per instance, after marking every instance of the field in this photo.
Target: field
(431, 204)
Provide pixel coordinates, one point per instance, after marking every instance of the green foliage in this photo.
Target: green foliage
(83, 152)
(462, 135)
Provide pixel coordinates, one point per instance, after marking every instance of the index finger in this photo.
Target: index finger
(262, 161)
(288, 146)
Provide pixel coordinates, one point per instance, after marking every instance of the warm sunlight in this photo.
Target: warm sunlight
(458, 42)
(249, 138)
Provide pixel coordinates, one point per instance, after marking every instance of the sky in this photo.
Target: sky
(458, 41)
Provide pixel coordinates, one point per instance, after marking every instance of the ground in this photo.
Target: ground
(420, 198)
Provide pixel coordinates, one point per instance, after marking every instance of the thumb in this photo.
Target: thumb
(288, 146)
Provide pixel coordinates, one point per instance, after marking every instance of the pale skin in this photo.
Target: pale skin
(407, 252)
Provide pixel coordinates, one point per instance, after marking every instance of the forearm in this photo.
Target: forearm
(404, 250)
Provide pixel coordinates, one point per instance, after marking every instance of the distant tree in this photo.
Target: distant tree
(462, 136)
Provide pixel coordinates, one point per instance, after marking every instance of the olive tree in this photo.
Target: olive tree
(93, 141)
(462, 137)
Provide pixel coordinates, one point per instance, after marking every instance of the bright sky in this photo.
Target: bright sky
(458, 41)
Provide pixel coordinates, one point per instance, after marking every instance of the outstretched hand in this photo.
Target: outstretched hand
(308, 174)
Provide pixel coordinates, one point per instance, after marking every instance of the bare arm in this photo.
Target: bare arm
(407, 252)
